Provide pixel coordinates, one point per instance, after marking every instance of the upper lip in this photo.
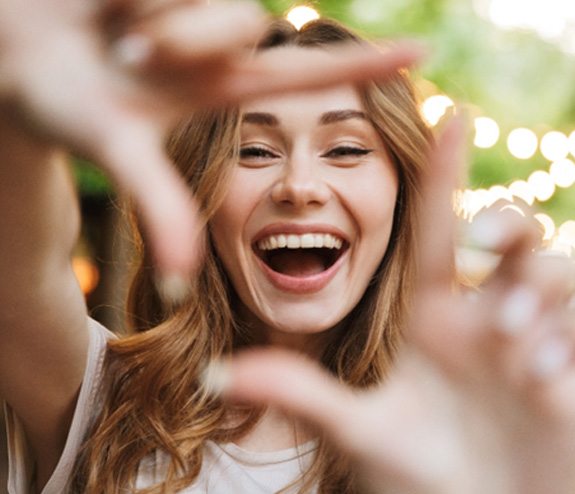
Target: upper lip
(298, 229)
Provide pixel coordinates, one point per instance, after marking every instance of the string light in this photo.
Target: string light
(548, 225)
(522, 190)
(542, 185)
(563, 173)
(572, 143)
(554, 146)
(301, 15)
(486, 132)
(434, 108)
(522, 143)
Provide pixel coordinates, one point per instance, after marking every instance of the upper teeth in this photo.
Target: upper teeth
(305, 241)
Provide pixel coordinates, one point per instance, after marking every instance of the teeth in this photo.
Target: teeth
(305, 241)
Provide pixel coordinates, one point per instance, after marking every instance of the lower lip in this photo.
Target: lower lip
(301, 284)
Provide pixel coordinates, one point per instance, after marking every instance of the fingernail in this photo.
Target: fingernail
(518, 310)
(551, 358)
(173, 289)
(216, 377)
(133, 50)
(487, 232)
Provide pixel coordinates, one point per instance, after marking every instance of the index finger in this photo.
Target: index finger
(317, 69)
(437, 222)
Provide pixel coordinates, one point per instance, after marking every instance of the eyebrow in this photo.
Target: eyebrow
(260, 118)
(340, 115)
(270, 120)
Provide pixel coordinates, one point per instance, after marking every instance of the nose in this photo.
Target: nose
(300, 185)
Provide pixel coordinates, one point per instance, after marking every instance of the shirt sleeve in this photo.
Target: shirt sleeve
(20, 465)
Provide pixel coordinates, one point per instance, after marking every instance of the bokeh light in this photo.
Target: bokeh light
(301, 15)
(563, 173)
(434, 108)
(86, 273)
(548, 225)
(521, 189)
(554, 145)
(486, 132)
(542, 185)
(572, 143)
(522, 143)
(567, 231)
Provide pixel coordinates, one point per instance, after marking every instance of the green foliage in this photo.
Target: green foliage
(511, 76)
(91, 181)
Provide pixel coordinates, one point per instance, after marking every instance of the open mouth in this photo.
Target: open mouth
(300, 256)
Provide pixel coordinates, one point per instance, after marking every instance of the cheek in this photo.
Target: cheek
(371, 199)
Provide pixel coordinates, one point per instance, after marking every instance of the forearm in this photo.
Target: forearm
(39, 218)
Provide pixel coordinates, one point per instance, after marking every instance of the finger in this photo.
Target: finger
(438, 326)
(510, 235)
(437, 219)
(134, 156)
(190, 34)
(296, 385)
(315, 69)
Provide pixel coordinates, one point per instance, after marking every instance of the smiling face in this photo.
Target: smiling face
(309, 211)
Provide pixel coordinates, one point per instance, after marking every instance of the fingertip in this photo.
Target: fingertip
(133, 51)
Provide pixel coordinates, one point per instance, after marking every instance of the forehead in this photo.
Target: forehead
(345, 96)
(310, 102)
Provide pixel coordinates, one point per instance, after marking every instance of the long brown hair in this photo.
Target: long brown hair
(153, 398)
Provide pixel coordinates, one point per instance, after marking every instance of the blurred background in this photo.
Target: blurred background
(509, 64)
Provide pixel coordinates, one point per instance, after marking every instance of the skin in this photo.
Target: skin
(475, 404)
(314, 161)
(128, 105)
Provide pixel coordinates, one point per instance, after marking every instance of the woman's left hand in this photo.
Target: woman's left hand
(482, 399)
(108, 80)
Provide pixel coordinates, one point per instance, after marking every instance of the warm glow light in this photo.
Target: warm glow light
(552, 20)
(299, 16)
(521, 189)
(548, 225)
(470, 203)
(572, 143)
(563, 173)
(86, 273)
(546, 18)
(542, 185)
(522, 143)
(498, 192)
(434, 108)
(554, 146)
(566, 232)
(486, 132)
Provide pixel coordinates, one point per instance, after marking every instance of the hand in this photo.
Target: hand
(481, 400)
(109, 79)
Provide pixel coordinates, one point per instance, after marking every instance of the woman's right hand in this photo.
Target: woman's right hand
(482, 397)
(109, 79)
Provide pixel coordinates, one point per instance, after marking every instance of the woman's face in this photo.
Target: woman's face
(309, 211)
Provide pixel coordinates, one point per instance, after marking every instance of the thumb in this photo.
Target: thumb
(290, 382)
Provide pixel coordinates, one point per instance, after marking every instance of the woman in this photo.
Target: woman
(341, 169)
(323, 168)
(47, 351)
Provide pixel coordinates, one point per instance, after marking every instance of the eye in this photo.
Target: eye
(347, 153)
(256, 155)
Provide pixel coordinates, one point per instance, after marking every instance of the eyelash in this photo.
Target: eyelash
(256, 152)
(346, 151)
